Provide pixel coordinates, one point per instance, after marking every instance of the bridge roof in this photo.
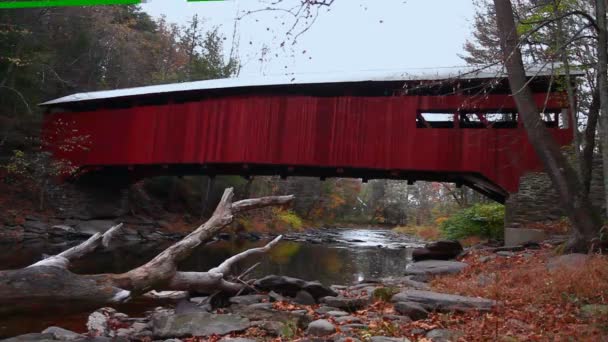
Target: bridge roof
(286, 80)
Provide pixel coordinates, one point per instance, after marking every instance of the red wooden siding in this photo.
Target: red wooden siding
(351, 132)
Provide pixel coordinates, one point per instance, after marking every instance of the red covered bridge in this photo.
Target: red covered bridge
(449, 125)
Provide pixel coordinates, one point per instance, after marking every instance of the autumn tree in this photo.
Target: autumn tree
(573, 198)
(552, 33)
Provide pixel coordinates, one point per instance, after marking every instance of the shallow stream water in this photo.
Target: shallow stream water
(336, 256)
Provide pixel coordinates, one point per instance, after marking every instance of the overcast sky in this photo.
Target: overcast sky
(352, 35)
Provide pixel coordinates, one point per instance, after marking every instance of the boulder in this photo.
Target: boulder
(289, 286)
(275, 297)
(438, 250)
(423, 270)
(304, 298)
(434, 301)
(346, 304)
(413, 310)
(320, 327)
(196, 324)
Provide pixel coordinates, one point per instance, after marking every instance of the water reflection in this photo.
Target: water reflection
(354, 258)
(342, 264)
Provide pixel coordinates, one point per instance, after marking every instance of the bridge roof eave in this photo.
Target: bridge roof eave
(287, 80)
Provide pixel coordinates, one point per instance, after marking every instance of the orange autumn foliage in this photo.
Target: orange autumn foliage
(537, 304)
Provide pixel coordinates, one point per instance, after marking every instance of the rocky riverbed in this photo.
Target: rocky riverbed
(291, 308)
(36, 229)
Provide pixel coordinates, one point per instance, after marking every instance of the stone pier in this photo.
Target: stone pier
(538, 202)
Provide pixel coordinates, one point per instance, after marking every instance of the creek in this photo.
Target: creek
(332, 256)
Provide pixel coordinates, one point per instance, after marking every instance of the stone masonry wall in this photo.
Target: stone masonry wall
(537, 201)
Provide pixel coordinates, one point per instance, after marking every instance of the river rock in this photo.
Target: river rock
(442, 335)
(289, 286)
(248, 299)
(572, 261)
(270, 315)
(61, 334)
(260, 306)
(236, 339)
(35, 337)
(197, 324)
(406, 281)
(199, 300)
(322, 310)
(413, 310)
(434, 301)
(304, 298)
(346, 304)
(320, 327)
(438, 250)
(274, 328)
(388, 339)
(347, 319)
(185, 307)
(423, 270)
(98, 321)
(337, 313)
(354, 326)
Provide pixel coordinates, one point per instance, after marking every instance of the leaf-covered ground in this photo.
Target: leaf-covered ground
(538, 303)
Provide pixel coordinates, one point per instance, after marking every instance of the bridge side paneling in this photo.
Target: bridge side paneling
(349, 132)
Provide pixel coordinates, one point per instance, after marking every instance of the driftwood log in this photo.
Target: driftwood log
(50, 283)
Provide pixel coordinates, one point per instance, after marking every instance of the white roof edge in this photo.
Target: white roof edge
(421, 74)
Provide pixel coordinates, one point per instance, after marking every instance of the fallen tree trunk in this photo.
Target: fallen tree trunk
(50, 283)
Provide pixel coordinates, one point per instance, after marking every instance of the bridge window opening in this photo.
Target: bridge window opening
(435, 120)
(488, 120)
(470, 120)
(555, 118)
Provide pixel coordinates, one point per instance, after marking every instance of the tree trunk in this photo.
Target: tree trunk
(589, 149)
(565, 180)
(49, 283)
(602, 69)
